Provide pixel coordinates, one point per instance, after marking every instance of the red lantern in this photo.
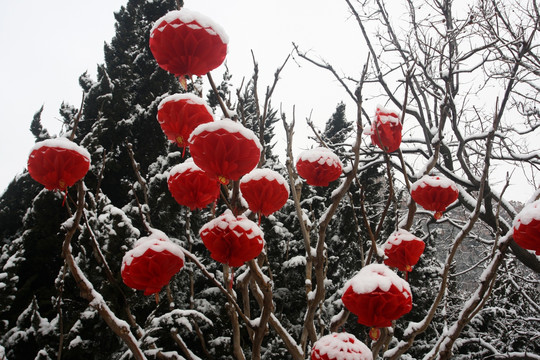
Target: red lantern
(527, 227)
(225, 149)
(180, 114)
(377, 295)
(185, 42)
(58, 163)
(319, 166)
(151, 264)
(192, 187)
(403, 250)
(265, 191)
(434, 193)
(386, 130)
(340, 346)
(232, 240)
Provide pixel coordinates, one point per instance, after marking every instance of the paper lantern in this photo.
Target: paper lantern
(185, 42)
(152, 263)
(192, 187)
(58, 163)
(232, 240)
(265, 191)
(179, 114)
(385, 130)
(225, 149)
(319, 166)
(434, 193)
(526, 227)
(403, 250)
(377, 295)
(340, 346)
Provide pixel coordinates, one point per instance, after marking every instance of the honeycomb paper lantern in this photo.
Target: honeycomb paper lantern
(232, 240)
(434, 193)
(225, 149)
(185, 42)
(58, 163)
(403, 250)
(192, 187)
(385, 130)
(526, 227)
(152, 263)
(265, 191)
(179, 114)
(319, 166)
(340, 346)
(377, 295)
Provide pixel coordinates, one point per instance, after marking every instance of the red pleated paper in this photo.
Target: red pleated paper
(185, 42)
(58, 163)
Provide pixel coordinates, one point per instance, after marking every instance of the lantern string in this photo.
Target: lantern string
(259, 216)
(157, 298)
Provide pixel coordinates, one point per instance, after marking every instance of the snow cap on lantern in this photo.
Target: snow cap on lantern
(192, 187)
(526, 227)
(340, 346)
(232, 240)
(152, 263)
(377, 295)
(265, 191)
(225, 149)
(403, 250)
(58, 163)
(185, 42)
(179, 114)
(319, 166)
(385, 130)
(434, 193)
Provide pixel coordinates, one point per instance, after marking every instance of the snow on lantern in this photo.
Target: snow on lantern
(377, 295)
(185, 42)
(58, 163)
(225, 149)
(179, 114)
(385, 130)
(152, 262)
(403, 250)
(434, 193)
(192, 187)
(232, 240)
(340, 346)
(319, 166)
(526, 227)
(265, 191)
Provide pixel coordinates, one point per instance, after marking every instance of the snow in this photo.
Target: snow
(62, 143)
(228, 125)
(227, 218)
(187, 165)
(156, 241)
(188, 98)
(187, 16)
(295, 261)
(320, 155)
(397, 237)
(384, 115)
(529, 213)
(341, 346)
(433, 181)
(374, 276)
(268, 174)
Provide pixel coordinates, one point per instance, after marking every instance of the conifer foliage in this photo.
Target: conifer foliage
(180, 233)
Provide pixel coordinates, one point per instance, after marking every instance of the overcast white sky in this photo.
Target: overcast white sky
(47, 45)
